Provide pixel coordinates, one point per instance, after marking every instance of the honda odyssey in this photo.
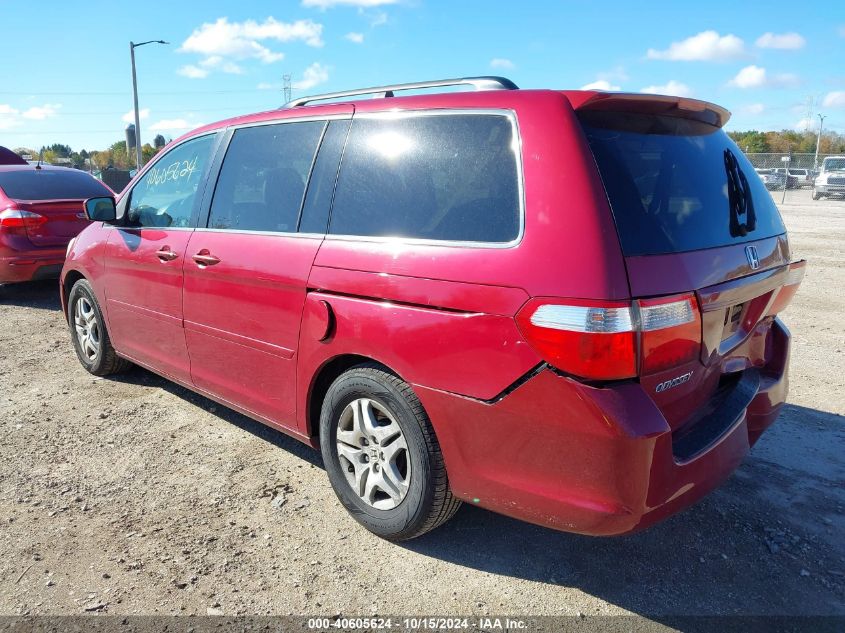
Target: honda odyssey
(558, 305)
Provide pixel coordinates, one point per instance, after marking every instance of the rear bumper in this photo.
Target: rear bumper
(31, 266)
(598, 461)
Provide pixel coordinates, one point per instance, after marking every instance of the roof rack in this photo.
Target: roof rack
(479, 83)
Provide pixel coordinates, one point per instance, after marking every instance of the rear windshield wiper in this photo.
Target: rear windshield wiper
(739, 198)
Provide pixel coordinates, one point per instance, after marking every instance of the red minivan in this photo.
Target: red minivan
(561, 306)
(41, 209)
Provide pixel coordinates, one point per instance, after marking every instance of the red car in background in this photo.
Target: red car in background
(41, 210)
(557, 305)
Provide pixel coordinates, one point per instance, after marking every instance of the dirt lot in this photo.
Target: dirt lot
(133, 495)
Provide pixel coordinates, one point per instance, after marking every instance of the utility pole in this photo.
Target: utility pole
(822, 117)
(286, 87)
(139, 158)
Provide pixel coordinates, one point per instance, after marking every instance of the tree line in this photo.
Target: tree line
(785, 141)
(117, 156)
(114, 156)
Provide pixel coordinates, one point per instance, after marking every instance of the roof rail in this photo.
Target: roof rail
(479, 83)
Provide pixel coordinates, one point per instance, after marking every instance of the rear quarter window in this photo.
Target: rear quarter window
(51, 184)
(451, 177)
(667, 183)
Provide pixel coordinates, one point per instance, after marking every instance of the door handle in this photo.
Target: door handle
(165, 254)
(204, 258)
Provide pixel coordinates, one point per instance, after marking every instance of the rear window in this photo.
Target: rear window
(49, 184)
(439, 177)
(667, 181)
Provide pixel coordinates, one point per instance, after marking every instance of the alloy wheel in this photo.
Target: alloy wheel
(373, 454)
(87, 328)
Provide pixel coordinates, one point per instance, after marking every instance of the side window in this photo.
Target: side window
(318, 200)
(166, 195)
(262, 180)
(441, 177)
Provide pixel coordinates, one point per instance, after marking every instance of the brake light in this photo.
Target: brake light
(794, 277)
(17, 220)
(612, 340)
(670, 332)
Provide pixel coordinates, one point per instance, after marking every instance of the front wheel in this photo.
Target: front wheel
(381, 455)
(88, 332)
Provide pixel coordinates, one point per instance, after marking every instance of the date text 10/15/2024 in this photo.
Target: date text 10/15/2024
(418, 623)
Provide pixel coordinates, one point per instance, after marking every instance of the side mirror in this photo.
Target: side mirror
(101, 210)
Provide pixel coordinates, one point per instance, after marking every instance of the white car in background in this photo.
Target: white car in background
(831, 179)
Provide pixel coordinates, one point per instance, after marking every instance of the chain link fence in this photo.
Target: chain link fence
(775, 160)
(803, 169)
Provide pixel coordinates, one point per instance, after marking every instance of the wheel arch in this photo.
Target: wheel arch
(70, 278)
(322, 380)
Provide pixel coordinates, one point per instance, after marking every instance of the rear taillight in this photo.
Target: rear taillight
(612, 340)
(13, 220)
(670, 332)
(794, 277)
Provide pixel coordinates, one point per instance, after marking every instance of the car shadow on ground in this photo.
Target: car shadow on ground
(43, 295)
(739, 550)
(140, 376)
(736, 552)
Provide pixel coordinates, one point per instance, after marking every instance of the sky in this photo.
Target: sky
(65, 67)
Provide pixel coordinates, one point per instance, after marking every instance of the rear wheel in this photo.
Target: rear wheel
(88, 332)
(381, 455)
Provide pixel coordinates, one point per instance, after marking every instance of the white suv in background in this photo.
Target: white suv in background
(831, 179)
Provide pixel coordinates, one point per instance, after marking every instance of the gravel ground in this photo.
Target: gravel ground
(134, 496)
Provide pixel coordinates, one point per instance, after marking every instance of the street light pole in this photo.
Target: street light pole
(139, 159)
(818, 142)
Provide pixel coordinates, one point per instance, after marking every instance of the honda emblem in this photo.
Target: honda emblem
(753, 259)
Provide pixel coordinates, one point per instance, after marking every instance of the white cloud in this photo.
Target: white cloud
(192, 72)
(268, 86)
(749, 77)
(314, 75)
(129, 117)
(672, 87)
(13, 117)
(355, 38)
(834, 99)
(706, 46)
(174, 125)
(218, 62)
(502, 62)
(232, 68)
(222, 43)
(39, 113)
(600, 84)
(756, 77)
(9, 116)
(753, 108)
(787, 41)
(363, 4)
(806, 125)
(379, 19)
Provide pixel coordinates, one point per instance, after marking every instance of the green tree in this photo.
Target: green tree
(751, 141)
(147, 152)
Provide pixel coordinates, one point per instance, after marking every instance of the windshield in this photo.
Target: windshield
(676, 184)
(50, 184)
(833, 164)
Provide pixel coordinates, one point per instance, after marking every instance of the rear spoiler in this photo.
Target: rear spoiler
(662, 105)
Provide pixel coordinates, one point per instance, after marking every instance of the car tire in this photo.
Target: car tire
(382, 456)
(89, 334)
